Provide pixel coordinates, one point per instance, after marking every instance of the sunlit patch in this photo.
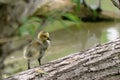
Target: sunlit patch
(93, 4)
(112, 34)
(94, 7)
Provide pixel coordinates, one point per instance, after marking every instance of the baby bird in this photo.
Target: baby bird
(37, 48)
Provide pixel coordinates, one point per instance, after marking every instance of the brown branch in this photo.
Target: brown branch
(116, 3)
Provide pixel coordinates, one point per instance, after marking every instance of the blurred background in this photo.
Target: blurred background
(69, 35)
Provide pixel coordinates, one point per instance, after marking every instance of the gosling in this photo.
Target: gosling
(37, 48)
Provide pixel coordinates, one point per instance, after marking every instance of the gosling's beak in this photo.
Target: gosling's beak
(49, 39)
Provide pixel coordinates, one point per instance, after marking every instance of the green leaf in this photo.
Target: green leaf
(72, 17)
(77, 10)
(29, 27)
(34, 19)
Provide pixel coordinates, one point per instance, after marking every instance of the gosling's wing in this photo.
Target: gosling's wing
(32, 50)
(46, 45)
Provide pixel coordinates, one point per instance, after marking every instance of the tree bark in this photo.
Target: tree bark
(99, 63)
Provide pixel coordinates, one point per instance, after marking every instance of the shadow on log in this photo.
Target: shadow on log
(101, 62)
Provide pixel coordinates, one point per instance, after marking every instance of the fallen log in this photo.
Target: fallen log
(101, 62)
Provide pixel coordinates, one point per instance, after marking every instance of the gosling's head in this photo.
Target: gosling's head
(42, 35)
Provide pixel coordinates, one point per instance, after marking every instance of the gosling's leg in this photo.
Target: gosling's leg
(28, 64)
(39, 60)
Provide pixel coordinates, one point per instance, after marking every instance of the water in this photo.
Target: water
(89, 35)
(68, 41)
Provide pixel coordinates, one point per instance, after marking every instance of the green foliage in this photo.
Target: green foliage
(72, 17)
(95, 14)
(64, 25)
(78, 5)
(30, 26)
